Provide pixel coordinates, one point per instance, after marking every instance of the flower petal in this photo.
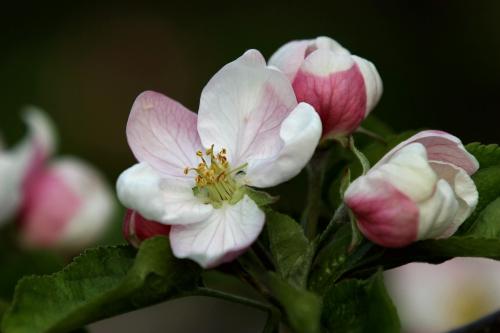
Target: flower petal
(289, 57)
(162, 132)
(334, 85)
(242, 108)
(409, 171)
(20, 165)
(441, 147)
(465, 192)
(300, 134)
(224, 235)
(97, 204)
(372, 80)
(48, 205)
(438, 212)
(137, 229)
(163, 199)
(384, 214)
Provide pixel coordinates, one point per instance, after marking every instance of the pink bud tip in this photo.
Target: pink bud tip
(137, 229)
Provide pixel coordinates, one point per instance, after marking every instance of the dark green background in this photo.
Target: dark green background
(85, 63)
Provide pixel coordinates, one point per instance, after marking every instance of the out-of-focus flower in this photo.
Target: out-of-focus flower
(342, 88)
(421, 189)
(136, 228)
(63, 204)
(194, 169)
(438, 298)
(66, 205)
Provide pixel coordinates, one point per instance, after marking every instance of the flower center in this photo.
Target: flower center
(215, 180)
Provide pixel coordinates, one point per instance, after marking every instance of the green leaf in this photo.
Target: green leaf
(19, 263)
(360, 306)
(374, 124)
(335, 259)
(487, 181)
(291, 250)
(487, 224)
(261, 198)
(430, 251)
(303, 308)
(487, 155)
(102, 282)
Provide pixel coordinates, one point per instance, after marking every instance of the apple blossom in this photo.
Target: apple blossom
(421, 189)
(193, 170)
(63, 204)
(343, 88)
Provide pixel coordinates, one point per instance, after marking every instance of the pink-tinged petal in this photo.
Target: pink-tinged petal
(224, 235)
(334, 85)
(242, 108)
(300, 133)
(385, 215)
(162, 132)
(438, 212)
(464, 189)
(373, 82)
(97, 203)
(409, 171)
(19, 165)
(289, 57)
(441, 147)
(163, 199)
(137, 229)
(48, 205)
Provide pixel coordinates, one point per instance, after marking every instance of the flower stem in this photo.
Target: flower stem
(316, 173)
(273, 319)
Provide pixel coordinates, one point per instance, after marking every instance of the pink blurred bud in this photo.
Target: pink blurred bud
(137, 229)
(66, 206)
(343, 88)
(421, 189)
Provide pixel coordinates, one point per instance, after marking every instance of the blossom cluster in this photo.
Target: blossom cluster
(258, 125)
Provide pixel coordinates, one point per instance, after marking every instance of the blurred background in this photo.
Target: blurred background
(84, 63)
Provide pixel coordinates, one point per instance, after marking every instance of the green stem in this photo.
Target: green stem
(273, 319)
(316, 173)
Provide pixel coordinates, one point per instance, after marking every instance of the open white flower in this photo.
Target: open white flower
(193, 170)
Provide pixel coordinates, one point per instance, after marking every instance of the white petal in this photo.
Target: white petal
(12, 172)
(438, 212)
(300, 134)
(224, 235)
(242, 108)
(328, 43)
(373, 82)
(324, 62)
(161, 199)
(465, 192)
(409, 171)
(289, 57)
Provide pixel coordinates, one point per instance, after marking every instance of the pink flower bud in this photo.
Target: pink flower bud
(137, 229)
(65, 206)
(343, 88)
(421, 189)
